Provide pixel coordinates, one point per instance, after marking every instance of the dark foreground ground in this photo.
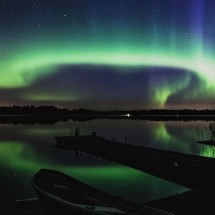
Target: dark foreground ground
(198, 201)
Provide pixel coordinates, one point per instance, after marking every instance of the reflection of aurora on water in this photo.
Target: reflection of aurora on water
(135, 34)
(25, 149)
(24, 162)
(16, 155)
(170, 134)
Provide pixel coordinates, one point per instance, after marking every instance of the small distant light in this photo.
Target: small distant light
(128, 115)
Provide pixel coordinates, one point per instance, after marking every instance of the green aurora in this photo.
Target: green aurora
(136, 34)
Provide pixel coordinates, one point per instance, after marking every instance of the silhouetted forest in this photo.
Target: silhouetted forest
(52, 110)
(51, 115)
(33, 110)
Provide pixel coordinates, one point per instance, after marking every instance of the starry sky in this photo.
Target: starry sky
(108, 54)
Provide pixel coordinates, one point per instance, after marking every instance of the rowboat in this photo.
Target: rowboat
(62, 194)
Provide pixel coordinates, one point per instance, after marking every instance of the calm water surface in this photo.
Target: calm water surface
(24, 149)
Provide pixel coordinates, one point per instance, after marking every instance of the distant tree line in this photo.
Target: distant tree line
(174, 112)
(52, 110)
(33, 110)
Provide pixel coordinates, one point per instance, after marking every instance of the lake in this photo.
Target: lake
(24, 149)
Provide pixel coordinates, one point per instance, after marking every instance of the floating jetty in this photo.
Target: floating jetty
(187, 170)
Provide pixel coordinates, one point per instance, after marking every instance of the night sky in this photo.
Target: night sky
(108, 54)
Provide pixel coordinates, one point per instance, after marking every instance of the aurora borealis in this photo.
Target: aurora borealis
(108, 54)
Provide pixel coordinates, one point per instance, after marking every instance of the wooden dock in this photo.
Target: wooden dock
(188, 170)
